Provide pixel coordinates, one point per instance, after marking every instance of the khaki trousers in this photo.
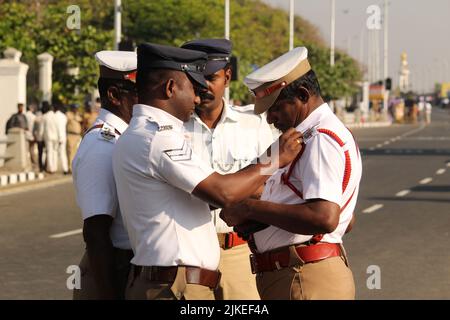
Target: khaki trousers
(237, 282)
(139, 287)
(88, 289)
(73, 140)
(328, 279)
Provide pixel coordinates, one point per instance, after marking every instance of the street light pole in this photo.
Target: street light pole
(291, 25)
(227, 36)
(117, 23)
(386, 42)
(385, 69)
(333, 20)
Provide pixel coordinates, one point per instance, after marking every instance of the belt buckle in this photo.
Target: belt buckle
(253, 263)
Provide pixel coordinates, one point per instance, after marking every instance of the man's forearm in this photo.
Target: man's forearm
(298, 218)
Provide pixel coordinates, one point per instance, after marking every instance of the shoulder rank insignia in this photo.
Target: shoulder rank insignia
(166, 127)
(181, 154)
(310, 133)
(107, 132)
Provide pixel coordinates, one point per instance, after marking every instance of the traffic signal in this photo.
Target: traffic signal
(234, 68)
(388, 84)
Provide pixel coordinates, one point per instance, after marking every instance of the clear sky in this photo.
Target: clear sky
(420, 28)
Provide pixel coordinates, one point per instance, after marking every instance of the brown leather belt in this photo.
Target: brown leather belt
(194, 275)
(229, 240)
(281, 258)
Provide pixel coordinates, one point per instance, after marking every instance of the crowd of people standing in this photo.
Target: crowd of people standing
(53, 132)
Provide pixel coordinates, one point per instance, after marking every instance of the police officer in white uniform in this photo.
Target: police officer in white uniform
(228, 138)
(163, 185)
(106, 263)
(310, 203)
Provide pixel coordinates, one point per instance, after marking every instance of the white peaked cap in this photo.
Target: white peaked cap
(122, 61)
(268, 81)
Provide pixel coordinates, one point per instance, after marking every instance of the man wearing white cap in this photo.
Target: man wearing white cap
(309, 204)
(106, 263)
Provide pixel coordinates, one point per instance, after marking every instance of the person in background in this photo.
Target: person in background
(51, 139)
(17, 120)
(31, 116)
(62, 136)
(38, 133)
(89, 116)
(74, 121)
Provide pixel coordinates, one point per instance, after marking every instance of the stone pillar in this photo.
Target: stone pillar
(13, 83)
(45, 75)
(16, 155)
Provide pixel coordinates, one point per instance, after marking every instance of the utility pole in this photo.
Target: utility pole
(291, 25)
(386, 56)
(227, 36)
(117, 23)
(333, 20)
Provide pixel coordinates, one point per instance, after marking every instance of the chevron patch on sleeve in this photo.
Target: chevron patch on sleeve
(182, 154)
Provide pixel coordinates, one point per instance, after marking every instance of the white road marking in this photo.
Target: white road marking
(371, 149)
(413, 131)
(402, 193)
(373, 208)
(448, 164)
(386, 142)
(379, 145)
(440, 171)
(426, 180)
(66, 234)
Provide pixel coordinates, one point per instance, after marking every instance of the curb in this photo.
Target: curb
(20, 177)
(35, 185)
(369, 124)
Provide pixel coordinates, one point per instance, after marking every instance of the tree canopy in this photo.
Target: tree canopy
(258, 31)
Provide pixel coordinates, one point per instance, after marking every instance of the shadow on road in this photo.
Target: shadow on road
(406, 152)
(411, 199)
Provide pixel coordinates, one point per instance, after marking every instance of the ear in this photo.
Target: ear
(113, 95)
(228, 73)
(169, 87)
(303, 94)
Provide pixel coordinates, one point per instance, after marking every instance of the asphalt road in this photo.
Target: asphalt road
(401, 234)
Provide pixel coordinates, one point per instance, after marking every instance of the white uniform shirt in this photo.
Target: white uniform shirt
(93, 176)
(62, 123)
(50, 126)
(156, 172)
(318, 174)
(238, 138)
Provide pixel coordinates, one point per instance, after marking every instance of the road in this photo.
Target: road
(402, 228)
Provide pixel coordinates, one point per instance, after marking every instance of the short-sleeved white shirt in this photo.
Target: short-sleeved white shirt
(239, 137)
(93, 176)
(318, 175)
(156, 172)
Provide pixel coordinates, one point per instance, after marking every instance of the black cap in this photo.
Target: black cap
(218, 50)
(156, 56)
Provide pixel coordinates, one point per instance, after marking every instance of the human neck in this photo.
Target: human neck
(116, 112)
(210, 116)
(313, 103)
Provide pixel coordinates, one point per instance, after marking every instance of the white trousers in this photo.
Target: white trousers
(62, 154)
(51, 147)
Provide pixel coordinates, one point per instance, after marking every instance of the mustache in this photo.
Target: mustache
(206, 95)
